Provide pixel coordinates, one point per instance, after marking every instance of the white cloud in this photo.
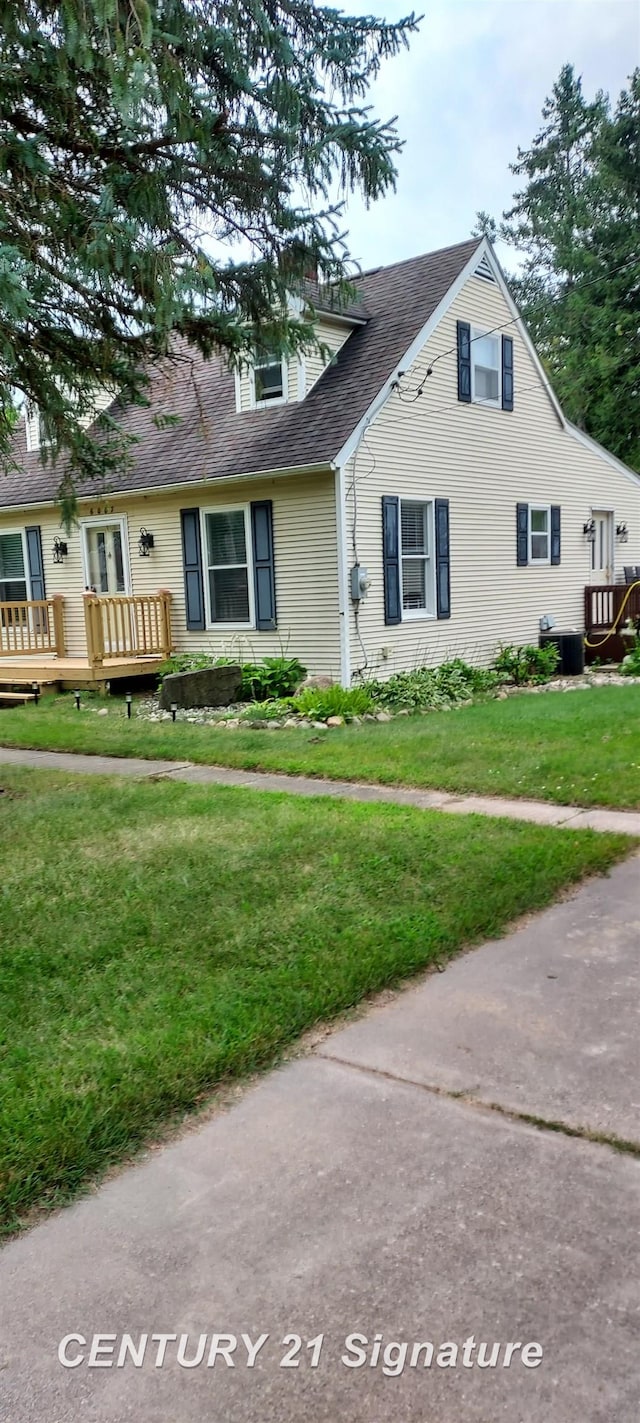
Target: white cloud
(467, 93)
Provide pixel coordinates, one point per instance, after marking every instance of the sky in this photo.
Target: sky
(467, 93)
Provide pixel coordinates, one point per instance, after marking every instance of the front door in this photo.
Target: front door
(602, 547)
(105, 558)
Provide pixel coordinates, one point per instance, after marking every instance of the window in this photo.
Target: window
(268, 378)
(416, 560)
(13, 581)
(227, 545)
(539, 534)
(485, 368)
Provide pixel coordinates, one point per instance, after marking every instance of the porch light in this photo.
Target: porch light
(128, 700)
(589, 530)
(145, 543)
(60, 550)
(622, 533)
(174, 708)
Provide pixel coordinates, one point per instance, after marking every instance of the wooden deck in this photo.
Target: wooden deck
(71, 672)
(126, 636)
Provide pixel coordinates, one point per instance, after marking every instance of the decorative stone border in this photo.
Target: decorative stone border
(238, 716)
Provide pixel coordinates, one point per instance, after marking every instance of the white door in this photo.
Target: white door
(105, 558)
(602, 548)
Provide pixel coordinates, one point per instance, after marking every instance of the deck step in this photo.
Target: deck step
(17, 696)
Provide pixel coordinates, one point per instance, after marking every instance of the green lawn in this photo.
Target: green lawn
(581, 747)
(159, 937)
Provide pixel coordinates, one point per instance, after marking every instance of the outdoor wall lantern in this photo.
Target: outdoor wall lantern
(589, 530)
(622, 533)
(60, 550)
(145, 543)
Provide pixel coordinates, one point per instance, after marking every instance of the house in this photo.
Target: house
(413, 494)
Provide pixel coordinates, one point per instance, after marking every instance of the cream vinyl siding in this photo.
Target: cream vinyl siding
(331, 334)
(484, 460)
(306, 573)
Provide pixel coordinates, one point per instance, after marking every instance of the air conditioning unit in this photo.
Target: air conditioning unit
(570, 646)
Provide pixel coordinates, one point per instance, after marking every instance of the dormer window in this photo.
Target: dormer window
(269, 378)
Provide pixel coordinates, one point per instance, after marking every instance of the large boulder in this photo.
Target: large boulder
(210, 687)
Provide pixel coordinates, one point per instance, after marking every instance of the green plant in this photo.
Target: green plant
(272, 677)
(186, 662)
(433, 687)
(273, 710)
(320, 703)
(630, 665)
(526, 665)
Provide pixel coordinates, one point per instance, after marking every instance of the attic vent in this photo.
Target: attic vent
(483, 270)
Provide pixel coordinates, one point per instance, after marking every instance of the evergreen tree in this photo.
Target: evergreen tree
(140, 140)
(575, 224)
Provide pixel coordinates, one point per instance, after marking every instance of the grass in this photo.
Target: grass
(572, 748)
(159, 938)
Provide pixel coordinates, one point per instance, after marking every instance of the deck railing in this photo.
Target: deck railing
(138, 625)
(603, 603)
(33, 626)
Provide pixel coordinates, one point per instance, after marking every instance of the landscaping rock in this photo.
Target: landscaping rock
(316, 684)
(383, 716)
(335, 721)
(291, 721)
(319, 725)
(210, 687)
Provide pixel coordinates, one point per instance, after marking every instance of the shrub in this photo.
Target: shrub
(320, 703)
(272, 677)
(630, 665)
(427, 688)
(522, 665)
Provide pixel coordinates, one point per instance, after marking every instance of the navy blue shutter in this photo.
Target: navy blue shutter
(192, 560)
(464, 361)
(391, 559)
(555, 533)
(522, 535)
(507, 373)
(443, 561)
(264, 582)
(36, 566)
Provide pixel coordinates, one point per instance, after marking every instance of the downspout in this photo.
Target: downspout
(343, 583)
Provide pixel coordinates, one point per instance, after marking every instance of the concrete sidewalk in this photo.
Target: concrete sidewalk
(624, 822)
(370, 1188)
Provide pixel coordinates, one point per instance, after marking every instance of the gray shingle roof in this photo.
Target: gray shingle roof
(213, 441)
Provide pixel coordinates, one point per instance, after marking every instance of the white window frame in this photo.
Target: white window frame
(477, 332)
(419, 614)
(206, 566)
(540, 509)
(101, 521)
(276, 399)
(25, 562)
